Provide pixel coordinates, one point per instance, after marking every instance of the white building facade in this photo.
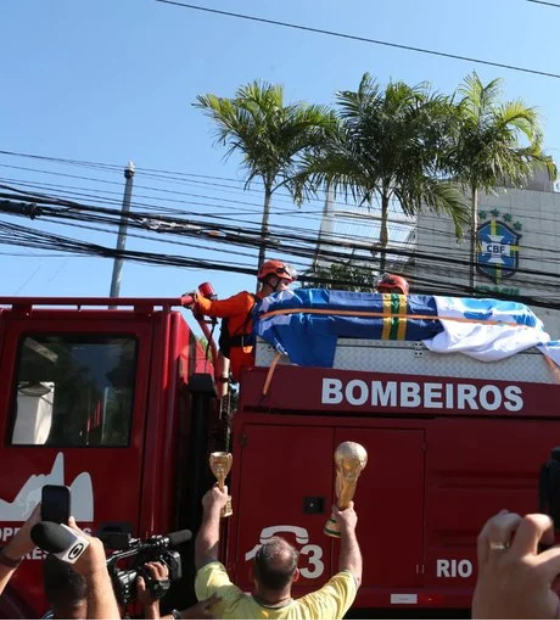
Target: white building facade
(518, 249)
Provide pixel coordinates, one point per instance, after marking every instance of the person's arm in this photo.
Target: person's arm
(101, 602)
(238, 304)
(208, 537)
(350, 554)
(18, 547)
(92, 565)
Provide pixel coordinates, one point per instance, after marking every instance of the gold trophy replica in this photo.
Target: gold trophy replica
(350, 459)
(220, 464)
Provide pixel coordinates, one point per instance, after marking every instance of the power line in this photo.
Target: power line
(333, 236)
(172, 225)
(557, 6)
(25, 237)
(174, 177)
(296, 245)
(291, 238)
(352, 37)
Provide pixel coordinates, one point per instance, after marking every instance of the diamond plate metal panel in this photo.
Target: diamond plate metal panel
(412, 358)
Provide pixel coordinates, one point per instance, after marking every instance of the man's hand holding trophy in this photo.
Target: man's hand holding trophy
(220, 464)
(350, 459)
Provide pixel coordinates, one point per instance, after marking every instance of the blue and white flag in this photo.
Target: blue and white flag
(502, 328)
(305, 324)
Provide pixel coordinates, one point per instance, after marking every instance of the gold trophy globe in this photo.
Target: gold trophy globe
(350, 458)
(220, 464)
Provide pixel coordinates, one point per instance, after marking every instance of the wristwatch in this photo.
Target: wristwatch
(176, 614)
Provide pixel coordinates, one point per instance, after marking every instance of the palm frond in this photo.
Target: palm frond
(270, 135)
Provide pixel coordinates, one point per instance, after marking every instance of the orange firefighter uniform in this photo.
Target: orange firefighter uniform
(238, 311)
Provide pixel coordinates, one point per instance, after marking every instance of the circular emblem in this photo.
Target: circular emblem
(76, 551)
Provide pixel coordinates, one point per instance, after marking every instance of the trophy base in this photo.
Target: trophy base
(227, 510)
(332, 528)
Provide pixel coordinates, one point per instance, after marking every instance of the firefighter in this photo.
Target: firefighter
(236, 341)
(389, 283)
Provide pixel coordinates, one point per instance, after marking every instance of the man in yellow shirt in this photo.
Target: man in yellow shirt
(274, 571)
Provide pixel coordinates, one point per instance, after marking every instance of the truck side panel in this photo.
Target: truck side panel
(73, 401)
(428, 488)
(475, 468)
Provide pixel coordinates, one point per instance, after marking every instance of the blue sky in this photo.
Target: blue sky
(111, 80)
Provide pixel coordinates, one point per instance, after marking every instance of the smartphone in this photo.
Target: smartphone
(55, 503)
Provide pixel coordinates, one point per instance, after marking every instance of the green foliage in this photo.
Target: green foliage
(269, 134)
(401, 143)
(341, 277)
(492, 142)
(388, 145)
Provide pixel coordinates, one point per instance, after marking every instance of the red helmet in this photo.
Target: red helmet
(389, 283)
(277, 268)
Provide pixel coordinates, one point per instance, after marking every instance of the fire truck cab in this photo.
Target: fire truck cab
(120, 405)
(111, 403)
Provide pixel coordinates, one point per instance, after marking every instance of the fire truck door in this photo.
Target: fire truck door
(72, 409)
(285, 478)
(390, 504)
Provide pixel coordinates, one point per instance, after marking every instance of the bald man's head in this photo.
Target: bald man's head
(275, 564)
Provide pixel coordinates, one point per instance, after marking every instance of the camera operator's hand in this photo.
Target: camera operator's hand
(150, 604)
(215, 499)
(514, 579)
(92, 565)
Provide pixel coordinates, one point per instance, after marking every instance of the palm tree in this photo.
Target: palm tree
(493, 143)
(270, 135)
(387, 147)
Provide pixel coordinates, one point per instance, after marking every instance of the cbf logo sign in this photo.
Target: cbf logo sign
(498, 247)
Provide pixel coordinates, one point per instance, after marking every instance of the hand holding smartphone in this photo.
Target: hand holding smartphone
(55, 504)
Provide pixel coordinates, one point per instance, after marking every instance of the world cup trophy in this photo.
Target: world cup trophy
(350, 459)
(220, 464)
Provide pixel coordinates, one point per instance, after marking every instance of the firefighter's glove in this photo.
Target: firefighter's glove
(192, 295)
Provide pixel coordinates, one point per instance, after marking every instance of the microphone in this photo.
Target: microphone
(60, 540)
(167, 540)
(179, 537)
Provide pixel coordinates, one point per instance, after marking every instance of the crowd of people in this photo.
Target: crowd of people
(518, 573)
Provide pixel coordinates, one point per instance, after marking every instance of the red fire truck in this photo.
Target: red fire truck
(120, 405)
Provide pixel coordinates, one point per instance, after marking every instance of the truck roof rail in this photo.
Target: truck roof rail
(144, 303)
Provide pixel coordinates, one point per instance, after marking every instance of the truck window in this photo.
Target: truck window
(73, 390)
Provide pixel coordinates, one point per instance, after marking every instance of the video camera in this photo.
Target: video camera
(154, 549)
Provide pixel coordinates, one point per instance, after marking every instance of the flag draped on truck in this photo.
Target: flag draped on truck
(305, 324)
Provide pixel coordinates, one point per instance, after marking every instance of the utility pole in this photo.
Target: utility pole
(121, 241)
(326, 229)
